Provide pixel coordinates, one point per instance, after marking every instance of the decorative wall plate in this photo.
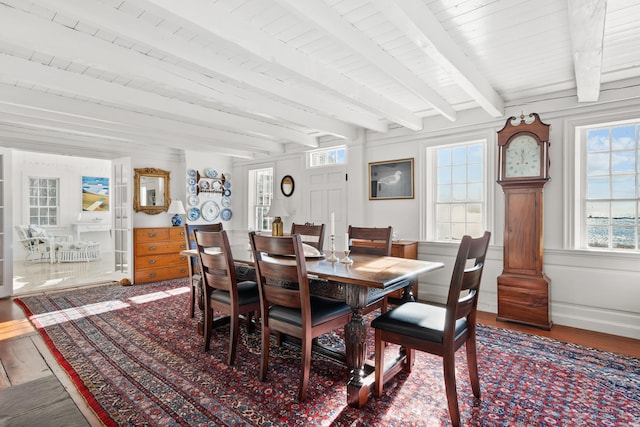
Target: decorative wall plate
(210, 210)
(226, 202)
(192, 189)
(192, 181)
(211, 173)
(194, 214)
(191, 173)
(227, 184)
(227, 192)
(225, 214)
(193, 200)
(204, 185)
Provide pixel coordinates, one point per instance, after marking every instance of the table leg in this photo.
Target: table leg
(360, 382)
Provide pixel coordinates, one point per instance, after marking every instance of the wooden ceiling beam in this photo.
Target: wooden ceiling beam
(319, 15)
(425, 30)
(586, 26)
(212, 19)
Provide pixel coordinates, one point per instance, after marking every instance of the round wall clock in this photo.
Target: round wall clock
(522, 157)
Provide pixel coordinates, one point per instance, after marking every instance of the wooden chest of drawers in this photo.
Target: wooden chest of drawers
(157, 254)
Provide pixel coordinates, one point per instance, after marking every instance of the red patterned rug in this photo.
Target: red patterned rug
(135, 356)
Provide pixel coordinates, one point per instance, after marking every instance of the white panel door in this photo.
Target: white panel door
(122, 218)
(327, 193)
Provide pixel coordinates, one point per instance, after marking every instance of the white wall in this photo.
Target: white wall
(590, 290)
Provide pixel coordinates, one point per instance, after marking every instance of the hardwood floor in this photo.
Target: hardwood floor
(34, 390)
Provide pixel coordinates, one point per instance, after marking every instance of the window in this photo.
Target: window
(43, 201)
(458, 191)
(327, 157)
(609, 186)
(260, 196)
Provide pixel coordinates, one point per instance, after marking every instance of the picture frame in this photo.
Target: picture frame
(95, 194)
(392, 179)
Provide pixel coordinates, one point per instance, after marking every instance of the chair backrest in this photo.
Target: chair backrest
(216, 266)
(311, 234)
(373, 240)
(278, 261)
(191, 238)
(464, 288)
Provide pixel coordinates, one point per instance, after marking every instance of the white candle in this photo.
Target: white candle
(333, 224)
(346, 241)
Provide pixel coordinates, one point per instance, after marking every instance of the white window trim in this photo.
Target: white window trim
(308, 154)
(573, 182)
(427, 223)
(252, 191)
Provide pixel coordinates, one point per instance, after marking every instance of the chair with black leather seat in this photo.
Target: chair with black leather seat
(291, 311)
(439, 330)
(194, 273)
(222, 292)
(311, 234)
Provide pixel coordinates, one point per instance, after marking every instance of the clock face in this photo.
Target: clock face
(522, 157)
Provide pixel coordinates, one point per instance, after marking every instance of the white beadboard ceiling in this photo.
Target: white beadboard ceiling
(250, 78)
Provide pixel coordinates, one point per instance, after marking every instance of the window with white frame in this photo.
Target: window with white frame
(327, 157)
(260, 196)
(609, 179)
(458, 191)
(43, 201)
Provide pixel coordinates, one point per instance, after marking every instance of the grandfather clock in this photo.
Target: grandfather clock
(523, 170)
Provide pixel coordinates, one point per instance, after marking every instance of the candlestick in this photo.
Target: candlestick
(346, 259)
(332, 257)
(346, 241)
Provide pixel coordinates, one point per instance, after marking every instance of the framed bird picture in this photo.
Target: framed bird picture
(391, 179)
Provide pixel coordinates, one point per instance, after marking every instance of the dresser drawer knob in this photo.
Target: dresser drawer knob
(152, 234)
(152, 275)
(152, 261)
(184, 270)
(183, 246)
(152, 248)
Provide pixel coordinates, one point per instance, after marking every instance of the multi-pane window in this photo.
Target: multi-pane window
(327, 157)
(459, 191)
(43, 201)
(261, 194)
(611, 177)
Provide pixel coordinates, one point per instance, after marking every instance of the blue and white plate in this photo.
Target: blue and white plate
(227, 192)
(192, 181)
(210, 210)
(194, 214)
(193, 200)
(226, 202)
(191, 173)
(225, 214)
(227, 184)
(192, 189)
(211, 173)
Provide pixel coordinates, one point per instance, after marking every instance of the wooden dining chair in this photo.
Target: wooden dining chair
(439, 330)
(194, 272)
(370, 240)
(294, 312)
(222, 292)
(311, 234)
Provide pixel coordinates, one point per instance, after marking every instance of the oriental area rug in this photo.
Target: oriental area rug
(135, 355)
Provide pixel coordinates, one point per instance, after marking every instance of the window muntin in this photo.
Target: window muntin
(459, 191)
(261, 194)
(327, 157)
(611, 176)
(43, 201)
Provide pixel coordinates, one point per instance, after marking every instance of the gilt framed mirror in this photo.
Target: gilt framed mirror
(151, 190)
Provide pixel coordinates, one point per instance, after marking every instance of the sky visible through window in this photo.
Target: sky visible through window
(612, 159)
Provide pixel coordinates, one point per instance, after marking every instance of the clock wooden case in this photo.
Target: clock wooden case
(523, 170)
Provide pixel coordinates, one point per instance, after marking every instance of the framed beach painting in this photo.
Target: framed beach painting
(95, 194)
(391, 179)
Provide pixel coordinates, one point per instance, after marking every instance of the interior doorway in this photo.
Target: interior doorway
(68, 218)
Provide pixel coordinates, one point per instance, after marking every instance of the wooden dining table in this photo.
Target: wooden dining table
(360, 283)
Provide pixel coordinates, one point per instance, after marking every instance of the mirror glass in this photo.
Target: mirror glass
(287, 185)
(151, 192)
